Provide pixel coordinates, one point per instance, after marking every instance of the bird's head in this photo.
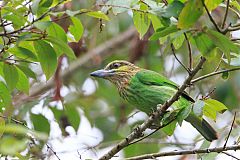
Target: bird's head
(117, 72)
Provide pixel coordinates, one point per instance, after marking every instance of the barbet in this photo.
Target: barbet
(146, 89)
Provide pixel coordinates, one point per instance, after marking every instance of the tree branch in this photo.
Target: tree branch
(211, 18)
(213, 74)
(155, 115)
(194, 151)
(225, 15)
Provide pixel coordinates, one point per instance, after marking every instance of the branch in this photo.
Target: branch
(194, 151)
(225, 144)
(102, 49)
(213, 74)
(189, 51)
(173, 51)
(155, 115)
(211, 18)
(225, 15)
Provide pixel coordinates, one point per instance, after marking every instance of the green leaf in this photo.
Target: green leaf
(10, 75)
(40, 123)
(156, 22)
(12, 145)
(204, 44)
(23, 53)
(2, 124)
(57, 31)
(225, 75)
(173, 9)
(183, 114)
(169, 129)
(117, 10)
(23, 83)
(17, 20)
(21, 130)
(198, 108)
(141, 148)
(5, 96)
(212, 4)
(76, 29)
(178, 40)
(211, 108)
(164, 31)
(73, 116)
(223, 43)
(141, 22)
(98, 14)
(27, 71)
(190, 14)
(46, 56)
(42, 25)
(61, 46)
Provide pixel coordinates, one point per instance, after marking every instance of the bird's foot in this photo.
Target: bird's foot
(138, 132)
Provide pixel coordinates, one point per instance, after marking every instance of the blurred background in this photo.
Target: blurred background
(85, 116)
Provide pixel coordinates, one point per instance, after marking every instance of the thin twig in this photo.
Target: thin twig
(211, 18)
(234, 117)
(48, 147)
(225, 15)
(185, 152)
(173, 51)
(228, 154)
(189, 52)
(213, 74)
(14, 120)
(158, 114)
(164, 125)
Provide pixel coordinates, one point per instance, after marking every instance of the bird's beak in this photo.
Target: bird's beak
(102, 73)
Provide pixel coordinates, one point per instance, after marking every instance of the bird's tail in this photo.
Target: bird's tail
(203, 127)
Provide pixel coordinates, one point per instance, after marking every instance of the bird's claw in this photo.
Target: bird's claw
(138, 132)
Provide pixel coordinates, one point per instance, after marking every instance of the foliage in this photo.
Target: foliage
(39, 38)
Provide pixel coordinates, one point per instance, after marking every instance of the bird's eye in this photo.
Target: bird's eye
(116, 65)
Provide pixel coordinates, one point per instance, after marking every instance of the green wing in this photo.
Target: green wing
(148, 77)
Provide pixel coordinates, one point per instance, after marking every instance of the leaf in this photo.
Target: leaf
(190, 14)
(173, 9)
(12, 145)
(5, 96)
(27, 71)
(164, 31)
(56, 31)
(169, 129)
(198, 108)
(23, 83)
(178, 40)
(46, 56)
(225, 75)
(76, 29)
(156, 22)
(40, 123)
(42, 25)
(2, 124)
(23, 53)
(223, 43)
(212, 4)
(183, 114)
(211, 108)
(141, 148)
(10, 75)
(21, 130)
(98, 14)
(73, 116)
(204, 44)
(61, 46)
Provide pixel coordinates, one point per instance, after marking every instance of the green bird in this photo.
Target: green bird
(146, 89)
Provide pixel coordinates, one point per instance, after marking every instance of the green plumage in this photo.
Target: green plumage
(146, 89)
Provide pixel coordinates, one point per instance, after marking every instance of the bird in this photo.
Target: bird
(146, 89)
